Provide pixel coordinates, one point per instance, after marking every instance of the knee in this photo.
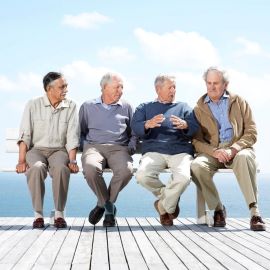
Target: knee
(61, 169)
(195, 166)
(245, 155)
(38, 167)
(91, 172)
(142, 177)
(126, 173)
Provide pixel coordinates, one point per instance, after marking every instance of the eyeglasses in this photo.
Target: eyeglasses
(63, 86)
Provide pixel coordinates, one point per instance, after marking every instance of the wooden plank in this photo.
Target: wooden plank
(117, 257)
(156, 236)
(133, 254)
(234, 249)
(4, 266)
(83, 253)
(9, 222)
(30, 257)
(50, 252)
(22, 246)
(150, 255)
(192, 254)
(226, 255)
(259, 238)
(67, 251)
(168, 234)
(14, 235)
(99, 258)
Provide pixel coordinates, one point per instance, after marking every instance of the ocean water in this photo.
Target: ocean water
(133, 201)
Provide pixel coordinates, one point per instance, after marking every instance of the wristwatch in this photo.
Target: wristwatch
(74, 161)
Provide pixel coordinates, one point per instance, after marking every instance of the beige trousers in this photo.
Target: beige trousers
(152, 163)
(97, 157)
(244, 167)
(41, 160)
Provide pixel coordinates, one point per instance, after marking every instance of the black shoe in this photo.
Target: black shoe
(96, 214)
(109, 220)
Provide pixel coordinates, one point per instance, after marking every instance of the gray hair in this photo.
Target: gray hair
(107, 78)
(222, 72)
(160, 79)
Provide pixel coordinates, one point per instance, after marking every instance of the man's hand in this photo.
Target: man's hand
(154, 122)
(225, 155)
(21, 167)
(73, 167)
(178, 122)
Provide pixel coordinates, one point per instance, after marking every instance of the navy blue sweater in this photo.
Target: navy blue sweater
(165, 139)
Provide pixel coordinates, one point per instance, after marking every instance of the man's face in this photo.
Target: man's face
(166, 91)
(113, 91)
(58, 89)
(215, 85)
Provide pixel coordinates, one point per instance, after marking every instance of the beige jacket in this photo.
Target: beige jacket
(244, 128)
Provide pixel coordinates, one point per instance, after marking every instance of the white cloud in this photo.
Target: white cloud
(116, 54)
(25, 82)
(85, 20)
(249, 47)
(84, 80)
(6, 84)
(253, 88)
(83, 72)
(181, 49)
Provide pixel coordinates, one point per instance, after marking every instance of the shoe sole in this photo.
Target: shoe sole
(258, 230)
(220, 226)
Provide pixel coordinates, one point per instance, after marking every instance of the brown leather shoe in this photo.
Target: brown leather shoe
(220, 218)
(38, 223)
(60, 223)
(175, 214)
(257, 224)
(164, 218)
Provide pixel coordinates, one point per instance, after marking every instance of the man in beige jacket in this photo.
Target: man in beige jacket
(49, 137)
(225, 139)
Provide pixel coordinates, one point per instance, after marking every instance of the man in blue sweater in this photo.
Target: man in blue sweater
(107, 142)
(166, 129)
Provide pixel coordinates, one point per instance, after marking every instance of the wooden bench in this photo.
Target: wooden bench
(203, 216)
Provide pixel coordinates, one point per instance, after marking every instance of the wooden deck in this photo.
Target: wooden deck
(136, 243)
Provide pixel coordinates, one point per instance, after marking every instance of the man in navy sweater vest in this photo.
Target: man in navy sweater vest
(166, 129)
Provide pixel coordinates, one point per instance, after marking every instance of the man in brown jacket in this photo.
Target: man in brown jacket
(225, 139)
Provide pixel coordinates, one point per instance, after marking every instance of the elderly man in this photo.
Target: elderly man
(225, 139)
(49, 137)
(165, 128)
(107, 142)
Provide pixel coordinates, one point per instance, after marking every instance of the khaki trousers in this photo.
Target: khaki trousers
(152, 163)
(244, 167)
(97, 157)
(41, 160)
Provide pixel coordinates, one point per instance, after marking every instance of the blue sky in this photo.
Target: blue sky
(138, 39)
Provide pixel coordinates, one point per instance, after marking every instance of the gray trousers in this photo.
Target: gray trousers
(40, 161)
(95, 158)
(244, 167)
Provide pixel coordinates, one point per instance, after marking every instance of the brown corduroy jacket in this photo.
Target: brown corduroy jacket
(240, 115)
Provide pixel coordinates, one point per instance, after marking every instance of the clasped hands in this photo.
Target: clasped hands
(158, 119)
(225, 155)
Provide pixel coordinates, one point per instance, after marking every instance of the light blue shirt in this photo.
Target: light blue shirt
(106, 106)
(220, 112)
